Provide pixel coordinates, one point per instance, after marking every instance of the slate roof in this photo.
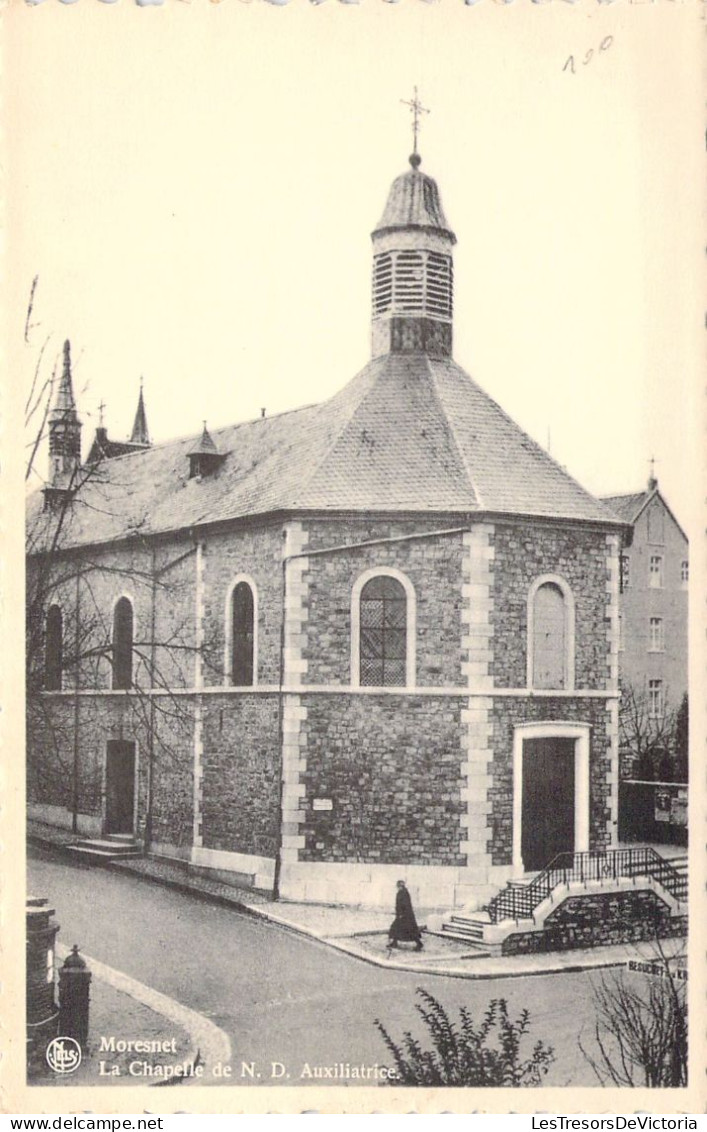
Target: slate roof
(627, 507)
(414, 202)
(409, 433)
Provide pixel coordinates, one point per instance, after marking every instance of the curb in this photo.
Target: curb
(344, 945)
(210, 1044)
(441, 972)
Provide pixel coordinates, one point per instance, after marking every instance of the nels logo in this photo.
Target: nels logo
(63, 1055)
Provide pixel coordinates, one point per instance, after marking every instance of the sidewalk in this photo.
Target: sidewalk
(362, 932)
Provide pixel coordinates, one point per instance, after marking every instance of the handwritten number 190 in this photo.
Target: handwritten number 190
(603, 46)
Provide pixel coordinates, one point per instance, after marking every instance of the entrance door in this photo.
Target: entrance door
(120, 786)
(547, 823)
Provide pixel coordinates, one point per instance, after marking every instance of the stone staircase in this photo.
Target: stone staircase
(483, 929)
(469, 927)
(110, 847)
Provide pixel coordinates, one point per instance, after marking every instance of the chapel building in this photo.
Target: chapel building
(368, 639)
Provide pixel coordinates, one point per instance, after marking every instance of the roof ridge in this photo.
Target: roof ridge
(187, 436)
(539, 448)
(305, 483)
(448, 419)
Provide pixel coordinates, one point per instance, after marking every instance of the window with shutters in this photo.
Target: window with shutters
(123, 644)
(242, 637)
(54, 650)
(383, 618)
(550, 634)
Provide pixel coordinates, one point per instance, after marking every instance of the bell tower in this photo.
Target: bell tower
(412, 286)
(64, 438)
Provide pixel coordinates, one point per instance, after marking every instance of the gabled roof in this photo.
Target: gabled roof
(409, 433)
(627, 507)
(630, 507)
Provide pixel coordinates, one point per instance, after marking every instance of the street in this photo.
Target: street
(283, 997)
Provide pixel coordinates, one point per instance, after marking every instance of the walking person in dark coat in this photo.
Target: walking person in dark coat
(404, 926)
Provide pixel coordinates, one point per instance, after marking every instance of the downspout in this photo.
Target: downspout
(151, 713)
(77, 680)
(280, 736)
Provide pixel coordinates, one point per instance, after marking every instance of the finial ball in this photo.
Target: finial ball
(415, 160)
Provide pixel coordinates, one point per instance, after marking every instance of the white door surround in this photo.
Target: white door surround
(553, 730)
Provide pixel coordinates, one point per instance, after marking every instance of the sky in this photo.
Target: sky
(195, 187)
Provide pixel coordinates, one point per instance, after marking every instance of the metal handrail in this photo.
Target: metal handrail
(518, 902)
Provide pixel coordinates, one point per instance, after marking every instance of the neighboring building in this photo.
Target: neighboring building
(654, 582)
(316, 649)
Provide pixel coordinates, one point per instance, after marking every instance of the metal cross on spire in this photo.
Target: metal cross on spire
(653, 482)
(101, 409)
(417, 109)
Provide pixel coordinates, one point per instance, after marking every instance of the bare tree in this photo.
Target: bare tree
(60, 574)
(640, 1029)
(647, 731)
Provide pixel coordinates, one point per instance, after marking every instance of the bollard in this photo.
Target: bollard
(74, 980)
(42, 1013)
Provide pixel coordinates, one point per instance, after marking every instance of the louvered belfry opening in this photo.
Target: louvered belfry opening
(413, 282)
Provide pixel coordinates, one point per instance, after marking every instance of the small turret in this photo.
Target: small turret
(140, 434)
(64, 438)
(204, 457)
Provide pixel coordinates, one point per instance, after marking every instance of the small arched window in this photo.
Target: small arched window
(123, 643)
(383, 633)
(551, 635)
(242, 635)
(54, 650)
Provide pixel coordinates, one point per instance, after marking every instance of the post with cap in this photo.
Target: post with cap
(74, 982)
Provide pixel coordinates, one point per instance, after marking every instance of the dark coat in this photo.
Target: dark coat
(404, 926)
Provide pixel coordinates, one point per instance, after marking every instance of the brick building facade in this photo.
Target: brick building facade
(369, 638)
(653, 603)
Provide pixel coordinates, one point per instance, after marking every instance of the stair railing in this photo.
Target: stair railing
(519, 901)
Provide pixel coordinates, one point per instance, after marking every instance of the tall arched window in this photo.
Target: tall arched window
(123, 643)
(383, 623)
(53, 650)
(550, 634)
(242, 635)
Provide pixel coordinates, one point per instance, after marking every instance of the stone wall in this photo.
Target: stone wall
(509, 712)
(257, 553)
(524, 552)
(600, 918)
(240, 786)
(50, 759)
(433, 566)
(390, 765)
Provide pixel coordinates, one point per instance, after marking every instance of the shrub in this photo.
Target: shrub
(466, 1054)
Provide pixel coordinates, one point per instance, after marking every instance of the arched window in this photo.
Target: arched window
(550, 634)
(123, 643)
(383, 623)
(53, 650)
(242, 650)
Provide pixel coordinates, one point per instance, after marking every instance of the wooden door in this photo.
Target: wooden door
(547, 822)
(120, 786)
